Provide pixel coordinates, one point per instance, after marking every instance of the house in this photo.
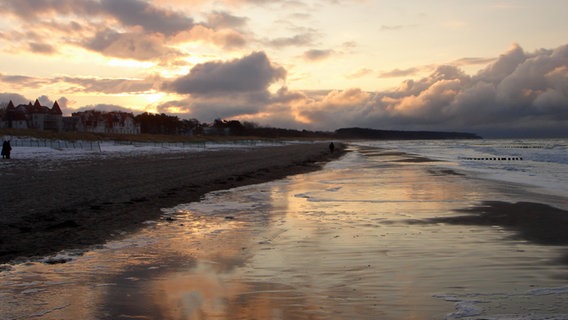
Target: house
(32, 116)
(105, 122)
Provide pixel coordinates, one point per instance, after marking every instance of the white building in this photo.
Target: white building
(106, 122)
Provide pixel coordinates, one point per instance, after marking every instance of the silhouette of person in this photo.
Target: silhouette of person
(331, 147)
(6, 148)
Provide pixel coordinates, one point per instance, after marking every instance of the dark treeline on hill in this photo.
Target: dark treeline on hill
(362, 133)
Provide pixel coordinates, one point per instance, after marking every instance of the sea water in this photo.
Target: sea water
(539, 163)
(348, 241)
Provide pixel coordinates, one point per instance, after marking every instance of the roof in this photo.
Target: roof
(55, 109)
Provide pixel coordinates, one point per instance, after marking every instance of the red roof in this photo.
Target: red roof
(55, 109)
(37, 105)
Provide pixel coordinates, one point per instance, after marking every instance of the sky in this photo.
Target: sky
(498, 68)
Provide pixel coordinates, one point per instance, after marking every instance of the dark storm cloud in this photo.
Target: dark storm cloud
(520, 94)
(252, 73)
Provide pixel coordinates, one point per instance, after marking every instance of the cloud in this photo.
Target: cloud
(252, 73)
(399, 73)
(128, 29)
(112, 86)
(396, 27)
(224, 38)
(223, 20)
(359, 73)
(86, 84)
(519, 94)
(23, 82)
(16, 98)
(472, 61)
(130, 45)
(317, 55)
(302, 39)
(151, 18)
(391, 28)
(209, 108)
(63, 103)
(27, 9)
(43, 48)
(102, 107)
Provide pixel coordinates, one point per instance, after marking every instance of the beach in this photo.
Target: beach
(49, 205)
(376, 233)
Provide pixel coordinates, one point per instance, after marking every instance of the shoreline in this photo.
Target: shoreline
(345, 241)
(81, 203)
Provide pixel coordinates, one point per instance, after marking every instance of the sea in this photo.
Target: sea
(369, 236)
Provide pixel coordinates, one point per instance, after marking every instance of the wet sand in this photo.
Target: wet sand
(47, 207)
(391, 237)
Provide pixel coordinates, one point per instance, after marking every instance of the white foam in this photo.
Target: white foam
(466, 309)
(548, 291)
(542, 163)
(63, 256)
(477, 304)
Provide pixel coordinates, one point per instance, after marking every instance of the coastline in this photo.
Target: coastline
(82, 203)
(376, 233)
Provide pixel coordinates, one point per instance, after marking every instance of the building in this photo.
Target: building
(104, 122)
(32, 116)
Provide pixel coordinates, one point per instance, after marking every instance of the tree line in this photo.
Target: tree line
(172, 125)
(165, 124)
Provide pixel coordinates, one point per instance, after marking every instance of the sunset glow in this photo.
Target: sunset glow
(496, 68)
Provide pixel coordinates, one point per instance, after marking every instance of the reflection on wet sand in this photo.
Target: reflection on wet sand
(369, 237)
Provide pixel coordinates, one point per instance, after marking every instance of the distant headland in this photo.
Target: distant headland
(374, 134)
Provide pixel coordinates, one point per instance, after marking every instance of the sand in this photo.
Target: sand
(437, 243)
(79, 203)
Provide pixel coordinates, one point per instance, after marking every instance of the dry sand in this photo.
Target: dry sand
(80, 203)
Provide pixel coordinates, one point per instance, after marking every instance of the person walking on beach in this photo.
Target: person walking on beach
(331, 147)
(6, 148)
